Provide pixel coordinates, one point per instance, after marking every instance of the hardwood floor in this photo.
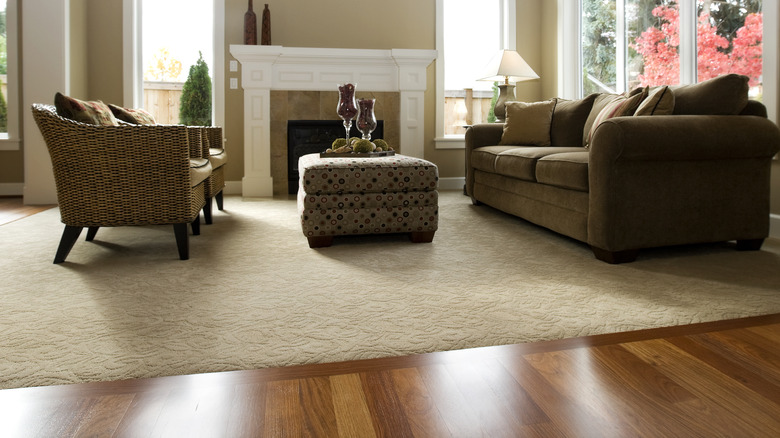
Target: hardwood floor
(12, 208)
(713, 379)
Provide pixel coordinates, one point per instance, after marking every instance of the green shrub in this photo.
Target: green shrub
(195, 102)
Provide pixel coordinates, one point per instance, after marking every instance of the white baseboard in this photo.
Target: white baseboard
(456, 183)
(11, 189)
(774, 226)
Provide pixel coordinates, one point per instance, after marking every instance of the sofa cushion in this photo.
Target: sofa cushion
(568, 170)
(484, 158)
(723, 95)
(90, 112)
(528, 123)
(608, 106)
(568, 120)
(660, 102)
(136, 116)
(520, 162)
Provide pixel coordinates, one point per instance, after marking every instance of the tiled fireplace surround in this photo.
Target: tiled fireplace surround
(293, 83)
(320, 105)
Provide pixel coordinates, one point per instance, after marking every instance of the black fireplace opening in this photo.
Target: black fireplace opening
(315, 136)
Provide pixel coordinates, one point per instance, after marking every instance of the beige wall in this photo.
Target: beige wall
(105, 42)
(79, 50)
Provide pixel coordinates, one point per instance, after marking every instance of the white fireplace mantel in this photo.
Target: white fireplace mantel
(266, 68)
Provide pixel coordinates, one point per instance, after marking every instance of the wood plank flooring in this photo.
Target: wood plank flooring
(12, 208)
(712, 379)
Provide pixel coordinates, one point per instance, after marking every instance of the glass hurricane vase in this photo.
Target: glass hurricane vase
(366, 121)
(347, 108)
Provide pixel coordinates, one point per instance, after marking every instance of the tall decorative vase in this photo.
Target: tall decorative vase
(265, 36)
(347, 107)
(366, 121)
(250, 26)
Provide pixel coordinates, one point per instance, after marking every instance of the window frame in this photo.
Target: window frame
(508, 41)
(570, 49)
(10, 140)
(133, 58)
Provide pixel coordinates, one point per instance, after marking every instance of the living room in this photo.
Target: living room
(257, 247)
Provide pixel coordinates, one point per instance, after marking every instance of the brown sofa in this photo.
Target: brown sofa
(699, 174)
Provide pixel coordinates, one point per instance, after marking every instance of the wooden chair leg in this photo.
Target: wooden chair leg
(196, 226)
(69, 237)
(182, 240)
(218, 197)
(91, 231)
(207, 211)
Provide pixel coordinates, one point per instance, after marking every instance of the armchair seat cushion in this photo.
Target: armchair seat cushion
(200, 169)
(217, 157)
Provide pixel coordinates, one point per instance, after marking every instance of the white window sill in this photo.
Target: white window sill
(9, 145)
(450, 142)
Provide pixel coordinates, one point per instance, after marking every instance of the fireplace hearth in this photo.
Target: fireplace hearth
(315, 136)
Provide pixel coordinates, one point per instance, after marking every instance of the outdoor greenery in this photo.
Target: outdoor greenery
(195, 103)
(491, 118)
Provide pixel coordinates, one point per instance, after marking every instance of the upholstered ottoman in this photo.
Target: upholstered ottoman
(345, 195)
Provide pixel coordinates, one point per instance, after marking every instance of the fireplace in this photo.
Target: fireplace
(266, 70)
(314, 136)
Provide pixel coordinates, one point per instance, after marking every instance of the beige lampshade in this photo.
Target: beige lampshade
(508, 66)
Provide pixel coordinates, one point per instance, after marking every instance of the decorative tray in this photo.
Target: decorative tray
(356, 154)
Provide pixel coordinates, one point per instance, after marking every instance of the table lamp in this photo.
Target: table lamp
(505, 66)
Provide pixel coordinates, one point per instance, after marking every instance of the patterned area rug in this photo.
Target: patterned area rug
(254, 294)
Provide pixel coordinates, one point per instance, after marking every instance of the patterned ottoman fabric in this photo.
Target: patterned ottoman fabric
(343, 196)
(397, 173)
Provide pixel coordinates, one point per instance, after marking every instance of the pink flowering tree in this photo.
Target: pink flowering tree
(659, 46)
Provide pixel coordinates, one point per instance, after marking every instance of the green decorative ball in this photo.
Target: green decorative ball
(382, 144)
(339, 142)
(363, 146)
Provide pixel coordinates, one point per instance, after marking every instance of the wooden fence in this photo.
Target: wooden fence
(161, 100)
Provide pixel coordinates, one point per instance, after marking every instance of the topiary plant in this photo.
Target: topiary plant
(195, 102)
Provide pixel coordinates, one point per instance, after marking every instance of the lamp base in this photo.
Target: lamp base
(506, 93)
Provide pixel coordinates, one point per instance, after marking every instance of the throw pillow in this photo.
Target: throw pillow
(613, 105)
(660, 102)
(136, 116)
(568, 120)
(723, 95)
(528, 123)
(90, 112)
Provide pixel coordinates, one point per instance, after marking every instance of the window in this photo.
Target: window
(9, 103)
(462, 57)
(631, 43)
(161, 52)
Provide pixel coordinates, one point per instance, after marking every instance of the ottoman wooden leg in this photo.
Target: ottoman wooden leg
(320, 241)
(422, 236)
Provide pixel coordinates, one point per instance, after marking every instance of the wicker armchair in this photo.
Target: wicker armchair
(109, 176)
(215, 151)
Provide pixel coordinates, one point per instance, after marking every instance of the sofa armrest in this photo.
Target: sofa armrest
(667, 180)
(681, 137)
(483, 134)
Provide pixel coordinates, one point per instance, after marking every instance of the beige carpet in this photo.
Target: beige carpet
(254, 295)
